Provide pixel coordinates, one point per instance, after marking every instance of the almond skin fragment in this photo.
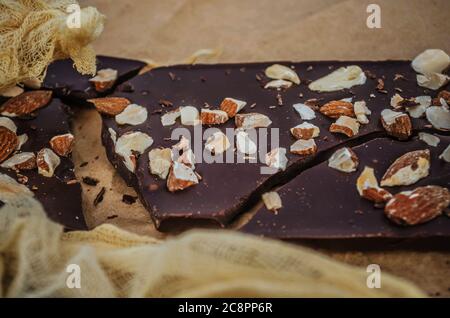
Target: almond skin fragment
(111, 106)
(8, 143)
(62, 144)
(396, 124)
(418, 206)
(26, 103)
(408, 169)
(376, 195)
(337, 108)
(305, 131)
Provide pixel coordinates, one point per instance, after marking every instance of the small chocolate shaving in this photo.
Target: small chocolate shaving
(90, 181)
(100, 196)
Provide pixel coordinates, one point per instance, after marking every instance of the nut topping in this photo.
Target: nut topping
(132, 115)
(337, 108)
(130, 144)
(232, 106)
(252, 120)
(8, 123)
(104, 80)
(344, 159)
(305, 131)
(12, 91)
(213, 117)
(396, 124)
(170, 118)
(304, 147)
(281, 72)
(277, 159)
(47, 162)
(217, 143)
(376, 195)
(8, 143)
(189, 116)
(446, 154)
(278, 84)
(439, 117)
(181, 177)
(111, 106)
(160, 161)
(361, 112)
(272, 201)
(343, 77)
(368, 188)
(408, 169)
(429, 139)
(62, 144)
(345, 125)
(21, 161)
(418, 206)
(26, 103)
(305, 112)
(431, 61)
(245, 144)
(432, 81)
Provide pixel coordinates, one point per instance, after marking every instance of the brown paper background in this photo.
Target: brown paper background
(169, 31)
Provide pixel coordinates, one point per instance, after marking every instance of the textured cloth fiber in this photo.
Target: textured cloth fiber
(34, 33)
(35, 255)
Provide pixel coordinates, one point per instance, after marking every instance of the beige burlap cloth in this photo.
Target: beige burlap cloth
(35, 255)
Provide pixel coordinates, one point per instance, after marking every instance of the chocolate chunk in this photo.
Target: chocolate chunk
(229, 189)
(59, 195)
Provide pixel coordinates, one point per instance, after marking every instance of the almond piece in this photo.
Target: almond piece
(130, 144)
(396, 102)
(305, 131)
(8, 143)
(187, 158)
(22, 140)
(432, 81)
(278, 84)
(183, 145)
(304, 147)
(111, 106)
(439, 117)
(361, 112)
(8, 123)
(245, 144)
(170, 118)
(47, 162)
(408, 169)
(418, 206)
(344, 159)
(418, 110)
(445, 95)
(21, 161)
(213, 117)
(429, 139)
(445, 155)
(345, 125)
(281, 72)
(133, 115)
(160, 161)
(62, 144)
(12, 91)
(305, 112)
(189, 116)
(272, 201)
(277, 159)
(396, 124)
(376, 195)
(342, 78)
(366, 180)
(26, 103)
(217, 143)
(252, 120)
(181, 177)
(232, 106)
(104, 80)
(337, 108)
(431, 61)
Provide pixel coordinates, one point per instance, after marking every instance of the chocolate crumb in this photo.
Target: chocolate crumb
(370, 75)
(100, 196)
(114, 216)
(84, 164)
(172, 76)
(380, 85)
(165, 103)
(90, 181)
(128, 199)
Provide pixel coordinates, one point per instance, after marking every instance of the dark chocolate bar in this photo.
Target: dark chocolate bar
(226, 190)
(66, 82)
(323, 203)
(60, 194)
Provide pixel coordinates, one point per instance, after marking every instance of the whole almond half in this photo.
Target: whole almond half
(418, 206)
(8, 143)
(62, 144)
(21, 161)
(26, 103)
(408, 169)
(111, 106)
(337, 108)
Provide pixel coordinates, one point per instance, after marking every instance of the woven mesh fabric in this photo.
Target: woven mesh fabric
(35, 253)
(34, 33)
